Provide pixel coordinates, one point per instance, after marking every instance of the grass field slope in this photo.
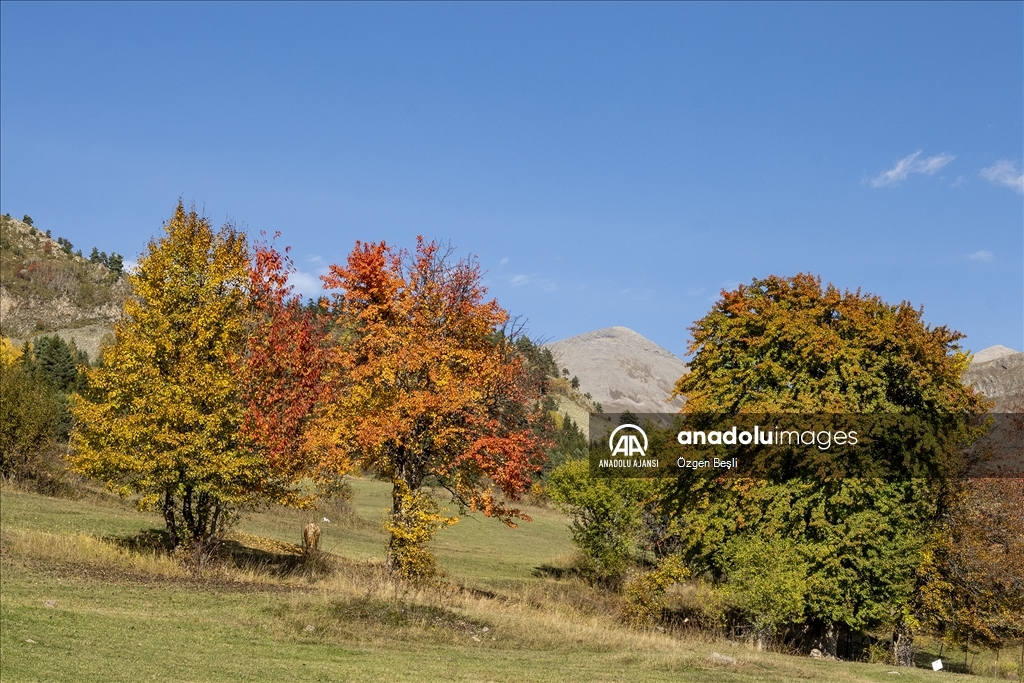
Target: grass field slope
(86, 595)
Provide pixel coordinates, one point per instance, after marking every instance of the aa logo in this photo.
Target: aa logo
(628, 443)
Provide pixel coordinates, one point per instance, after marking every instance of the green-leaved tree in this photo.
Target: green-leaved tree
(790, 345)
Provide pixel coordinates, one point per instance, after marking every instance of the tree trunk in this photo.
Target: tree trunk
(397, 514)
(169, 519)
(903, 645)
(197, 525)
(825, 639)
(405, 474)
(186, 513)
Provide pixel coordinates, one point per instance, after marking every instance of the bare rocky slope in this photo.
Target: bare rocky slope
(622, 370)
(47, 288)
(998, 372)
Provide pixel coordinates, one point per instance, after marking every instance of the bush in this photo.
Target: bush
(645, 594)
(768, 581)
(607, 518)
(416, 521)
(29, 429)
(33, 432)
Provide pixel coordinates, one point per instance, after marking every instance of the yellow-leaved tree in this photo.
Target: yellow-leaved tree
(160, 416)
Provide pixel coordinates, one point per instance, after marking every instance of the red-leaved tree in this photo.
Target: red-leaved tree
(284, 378)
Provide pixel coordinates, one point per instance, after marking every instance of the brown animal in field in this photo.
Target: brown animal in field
(311, 538)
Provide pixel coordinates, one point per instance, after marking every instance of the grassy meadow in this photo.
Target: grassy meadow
(86, 596)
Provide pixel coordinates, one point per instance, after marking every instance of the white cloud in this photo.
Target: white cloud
(1004, 172)
(911, 164)
(503, 262)
(307, 285)
(982, 256)
(931, 165)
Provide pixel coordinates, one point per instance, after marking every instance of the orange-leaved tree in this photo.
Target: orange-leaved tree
(432, 391)
(176, 411)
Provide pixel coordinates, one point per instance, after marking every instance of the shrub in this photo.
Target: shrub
(31, 414)
(419, 518)
(645, 594)
(607, 518)
(768, 581)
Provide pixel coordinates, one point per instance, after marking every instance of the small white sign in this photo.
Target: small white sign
(937, 665)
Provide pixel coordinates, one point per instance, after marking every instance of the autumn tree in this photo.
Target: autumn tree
(432, 391)
(789, 345)
(973, 573)
(283, 377)
(190, 407)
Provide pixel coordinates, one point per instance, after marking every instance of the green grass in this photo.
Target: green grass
(96, 515)
(98, 611)
(478, 550)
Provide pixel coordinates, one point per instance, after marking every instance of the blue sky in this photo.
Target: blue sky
(609, 164)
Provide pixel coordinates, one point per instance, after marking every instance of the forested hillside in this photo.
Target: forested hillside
(48, 286)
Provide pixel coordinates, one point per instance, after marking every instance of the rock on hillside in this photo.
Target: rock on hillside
(622, 370)
(998, 372)
(46, 288)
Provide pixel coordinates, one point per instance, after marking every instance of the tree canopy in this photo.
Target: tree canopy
(175, 413)
(789, 345)
(431, 385)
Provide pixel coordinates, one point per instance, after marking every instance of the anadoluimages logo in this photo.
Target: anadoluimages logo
(628, 445)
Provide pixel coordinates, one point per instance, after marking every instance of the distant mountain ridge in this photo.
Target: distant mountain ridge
(998, 372)
(992, 353)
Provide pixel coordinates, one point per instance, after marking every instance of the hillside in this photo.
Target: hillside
(622, 370)
(48, 288)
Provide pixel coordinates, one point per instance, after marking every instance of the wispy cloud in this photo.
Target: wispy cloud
(982, 256)
(545, 284)
(1004, 172)
(911, 164)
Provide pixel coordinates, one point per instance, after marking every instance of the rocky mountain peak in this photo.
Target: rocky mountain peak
(622, 370)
